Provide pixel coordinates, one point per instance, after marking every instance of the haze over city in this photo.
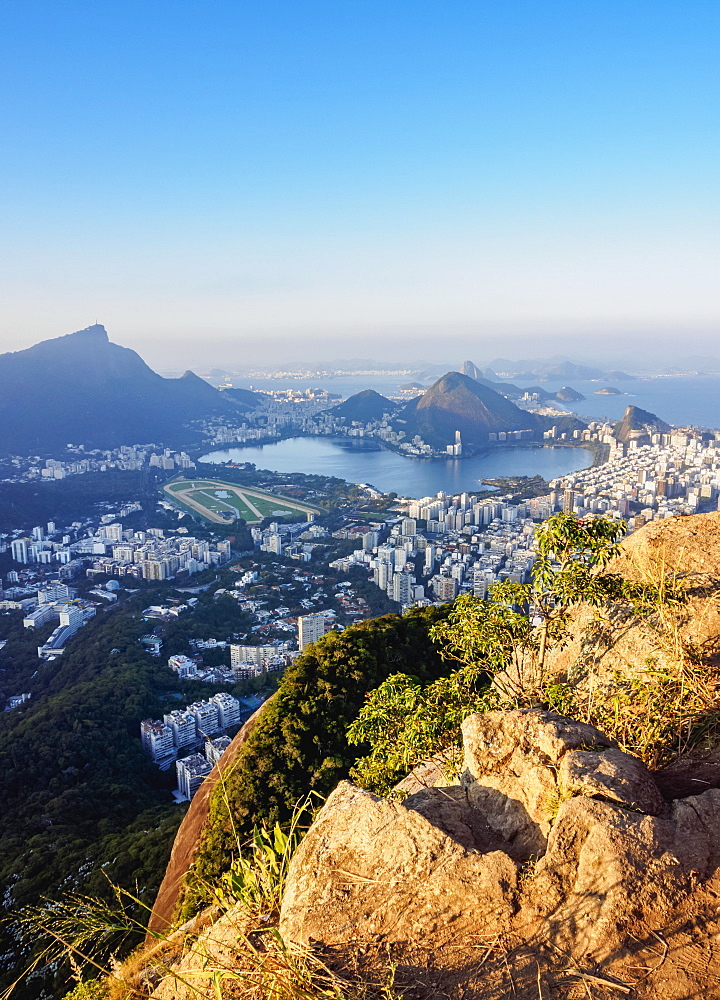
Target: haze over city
(234, 182)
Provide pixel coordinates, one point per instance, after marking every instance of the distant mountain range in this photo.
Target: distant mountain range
(83, 389)
(555, 369)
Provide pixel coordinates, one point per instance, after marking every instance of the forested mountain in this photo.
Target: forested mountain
(83, 389)
(458, 402)
(364, 406)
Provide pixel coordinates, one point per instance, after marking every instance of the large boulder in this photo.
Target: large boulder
(375, 870)
(554, 836)
(603, 862)
(519, 766)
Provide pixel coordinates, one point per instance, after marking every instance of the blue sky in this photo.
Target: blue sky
(234, 180)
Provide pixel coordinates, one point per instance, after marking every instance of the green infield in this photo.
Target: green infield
(221, 502)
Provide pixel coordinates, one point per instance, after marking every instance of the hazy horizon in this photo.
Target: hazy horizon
(650, 351)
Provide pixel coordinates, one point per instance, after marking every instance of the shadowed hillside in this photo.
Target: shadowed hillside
(83, 389)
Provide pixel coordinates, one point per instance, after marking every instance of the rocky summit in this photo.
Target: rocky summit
(551, 862)
(458, 402)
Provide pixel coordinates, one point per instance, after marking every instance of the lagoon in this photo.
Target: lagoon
(359, 461)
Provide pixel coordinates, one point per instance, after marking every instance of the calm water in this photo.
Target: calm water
(361, 462)
(677, 399)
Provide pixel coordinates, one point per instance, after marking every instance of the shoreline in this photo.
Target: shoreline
(595, 448)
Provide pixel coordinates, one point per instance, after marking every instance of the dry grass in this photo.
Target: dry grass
(665, 704)
(233, 959)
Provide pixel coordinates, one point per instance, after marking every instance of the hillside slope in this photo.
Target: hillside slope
(83, 389)
(458, 402)
(364, 406)
(299, 743)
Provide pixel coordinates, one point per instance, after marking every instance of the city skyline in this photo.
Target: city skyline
(237, 181)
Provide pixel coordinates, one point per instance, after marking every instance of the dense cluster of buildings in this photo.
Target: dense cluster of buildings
(447, 544)
(452, 544)
(279, 411)
(294, 541)
(644, 479)
(150, 555)
(54, 602)
(183, 728)
(115, 551)
(77, 460)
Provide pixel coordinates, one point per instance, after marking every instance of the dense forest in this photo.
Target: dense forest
(82, 803)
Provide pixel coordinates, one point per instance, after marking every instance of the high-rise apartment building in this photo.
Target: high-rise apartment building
(207, 718)
(444, 588)
(228, 709)
(403, 588)
(191, 772)
(183, 727)
(157, 738)
(19, 550)
(311, 628)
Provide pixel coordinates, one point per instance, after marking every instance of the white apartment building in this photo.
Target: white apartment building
(228, 710)
(311, 628)
(207, 717)
(183, 727)
(182, 665)
(40, 616)
(191, 772)
(256, 654)
(157, 738)
(19, 550)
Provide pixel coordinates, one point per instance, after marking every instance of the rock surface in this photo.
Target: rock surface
(374, 870)
(450, 864)
(603, 863)
(611, 775)
(510, 771)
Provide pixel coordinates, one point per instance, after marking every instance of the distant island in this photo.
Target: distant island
(609, 390)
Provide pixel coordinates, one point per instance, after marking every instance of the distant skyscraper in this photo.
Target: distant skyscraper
(403, 588)
(19, 549)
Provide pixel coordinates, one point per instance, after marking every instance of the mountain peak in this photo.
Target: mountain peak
(365, 405)
(639, 424)
(82, 387)
(97, 331)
